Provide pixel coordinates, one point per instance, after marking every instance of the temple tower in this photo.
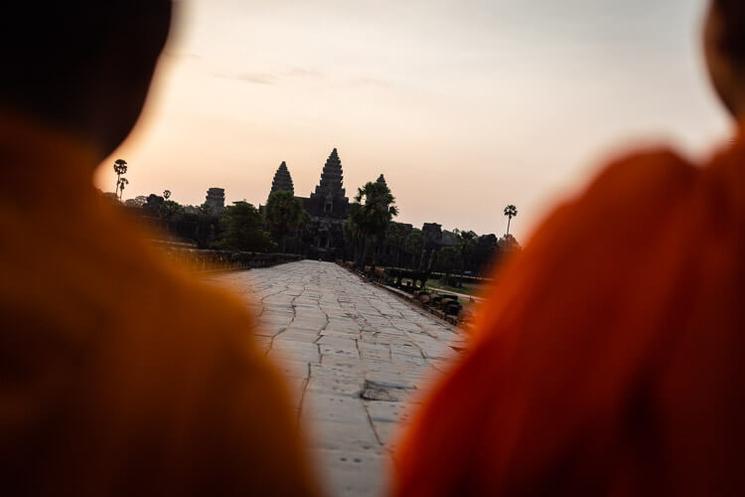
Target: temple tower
(215, 200)
(329, 199)
(282, 181)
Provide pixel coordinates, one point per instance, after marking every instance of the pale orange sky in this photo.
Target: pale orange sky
(464, 105)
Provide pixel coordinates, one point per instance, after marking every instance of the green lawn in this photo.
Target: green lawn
(468, 288)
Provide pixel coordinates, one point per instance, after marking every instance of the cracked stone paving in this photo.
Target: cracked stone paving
(355, 356)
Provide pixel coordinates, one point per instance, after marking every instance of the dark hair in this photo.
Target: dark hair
(732, 15)
(50, 52)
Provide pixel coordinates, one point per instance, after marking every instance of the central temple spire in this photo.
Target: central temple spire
(332, 177)
(329, 198)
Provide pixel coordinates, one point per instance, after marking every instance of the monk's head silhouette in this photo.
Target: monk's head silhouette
(82, 66)
(724, 46)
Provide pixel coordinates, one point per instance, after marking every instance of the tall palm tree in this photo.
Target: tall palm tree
(122, 183)
(284, 214)
(371, 213)
(395, 235)
(352, 233)
(510, 211)
(414, 246)
(466, 242)
(120, 168)
(446, 260)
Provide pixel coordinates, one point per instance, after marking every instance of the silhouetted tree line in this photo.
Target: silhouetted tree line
(371, 237)
(370, 216)
(376, 240)
(237, 227)
(240, 226)
(470, 254)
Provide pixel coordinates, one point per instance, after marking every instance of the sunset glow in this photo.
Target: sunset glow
(465, 106)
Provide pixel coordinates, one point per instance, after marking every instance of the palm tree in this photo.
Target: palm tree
(243, 229)
(167, 194)
(284, 215)
(447, 260)
(371, 213)
(510, 211)
(395, 235)
(120, 168)
(352, 234)
(466, 242)
(122, 183)
(414, 245)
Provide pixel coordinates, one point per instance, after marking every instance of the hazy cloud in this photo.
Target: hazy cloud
(256, 78)
(181, 55)
(369, 81)
(466, 105)
(272, 78)
(303, 72)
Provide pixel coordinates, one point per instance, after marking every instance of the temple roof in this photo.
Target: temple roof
(332, 178)
(282, 181)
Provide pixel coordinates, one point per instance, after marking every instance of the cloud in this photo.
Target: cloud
(272, 78)
(181, 55)
(255, 78)
(302, 72)
(369, 81)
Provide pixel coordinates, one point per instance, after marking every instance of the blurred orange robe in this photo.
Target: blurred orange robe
(609, 358)
(119, 373)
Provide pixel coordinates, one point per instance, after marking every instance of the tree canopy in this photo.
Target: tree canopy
(243, 229)
(373, 209)
(284, 214)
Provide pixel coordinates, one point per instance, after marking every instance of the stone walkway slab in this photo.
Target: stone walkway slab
(355, 356)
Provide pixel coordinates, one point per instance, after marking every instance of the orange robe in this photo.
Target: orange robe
(609, 358)
(119, 373)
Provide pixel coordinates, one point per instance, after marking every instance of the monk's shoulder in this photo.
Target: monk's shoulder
(219, 306)
(203, 307)
(640, 175)
(145, 274)
(149, 293)
(632, 198)
(631, 188)
(624, 210)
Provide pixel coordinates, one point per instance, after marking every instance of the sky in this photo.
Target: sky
(464, 105)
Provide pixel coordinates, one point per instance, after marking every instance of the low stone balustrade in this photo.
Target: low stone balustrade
(412, 285)
(227, 260)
